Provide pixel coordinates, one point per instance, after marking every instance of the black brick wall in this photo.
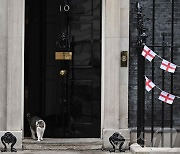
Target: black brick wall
(162, 23)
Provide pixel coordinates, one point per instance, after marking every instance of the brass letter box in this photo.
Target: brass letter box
(63, 55)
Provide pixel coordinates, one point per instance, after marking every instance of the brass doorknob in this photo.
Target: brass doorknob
(62, 72)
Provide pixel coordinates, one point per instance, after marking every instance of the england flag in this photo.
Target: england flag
(148, 53)
(167, 66)
(166, 97)
(149, 84)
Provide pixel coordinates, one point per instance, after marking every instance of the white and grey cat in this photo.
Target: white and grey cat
(37, 126)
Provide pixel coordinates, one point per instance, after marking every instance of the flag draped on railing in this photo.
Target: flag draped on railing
(148, 53)
(149, 84)
(164, 96)
(165, 65)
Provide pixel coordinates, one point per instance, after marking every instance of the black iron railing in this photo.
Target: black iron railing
(141, 40)
(141, 71)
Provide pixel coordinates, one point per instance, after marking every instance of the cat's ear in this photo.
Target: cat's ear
(36, 123)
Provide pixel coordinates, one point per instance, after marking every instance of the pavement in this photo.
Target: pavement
(66, 152)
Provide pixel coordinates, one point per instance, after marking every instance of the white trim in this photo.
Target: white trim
(103, 64)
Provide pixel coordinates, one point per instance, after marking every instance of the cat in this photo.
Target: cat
(37, 126)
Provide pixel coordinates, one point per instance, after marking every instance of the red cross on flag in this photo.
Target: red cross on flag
(166, 97)
(148, 53)
(149, 84)
(167, 66)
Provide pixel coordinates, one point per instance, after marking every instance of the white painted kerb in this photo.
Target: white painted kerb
(137, 149)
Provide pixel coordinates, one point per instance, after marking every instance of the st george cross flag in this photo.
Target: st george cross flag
(148, 53)
(166, 97)
(167, 66)
(149, 84)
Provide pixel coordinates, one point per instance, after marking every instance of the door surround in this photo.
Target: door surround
(115, 38)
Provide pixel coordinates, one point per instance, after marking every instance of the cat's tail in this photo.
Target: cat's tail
(28, 116)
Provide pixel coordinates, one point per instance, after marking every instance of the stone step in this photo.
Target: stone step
(63, 144)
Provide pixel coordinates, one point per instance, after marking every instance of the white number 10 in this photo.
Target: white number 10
(65, 8)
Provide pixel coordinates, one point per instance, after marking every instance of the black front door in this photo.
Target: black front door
(63, 66)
